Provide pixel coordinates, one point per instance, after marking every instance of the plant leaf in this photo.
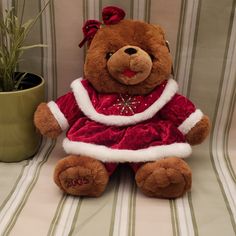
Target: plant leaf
(37, 17)
(33, 46)
(19, 80)
(27, 24)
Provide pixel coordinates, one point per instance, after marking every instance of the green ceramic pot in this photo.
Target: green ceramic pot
(19, 139)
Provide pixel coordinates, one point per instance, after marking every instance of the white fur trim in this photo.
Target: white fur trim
(83, 101)
(191, 121)
(59, 116)
(106, 154)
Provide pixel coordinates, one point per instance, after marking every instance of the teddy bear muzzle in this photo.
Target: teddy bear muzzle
(130, 65)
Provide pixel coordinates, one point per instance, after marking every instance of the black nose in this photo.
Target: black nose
(130, 51)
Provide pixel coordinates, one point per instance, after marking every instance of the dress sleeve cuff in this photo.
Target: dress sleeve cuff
(191, 121)
(59, 116)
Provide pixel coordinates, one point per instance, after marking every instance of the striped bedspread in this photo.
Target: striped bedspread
(31, 204)
(202, 36)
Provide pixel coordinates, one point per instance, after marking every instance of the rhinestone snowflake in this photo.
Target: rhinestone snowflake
(126, 104)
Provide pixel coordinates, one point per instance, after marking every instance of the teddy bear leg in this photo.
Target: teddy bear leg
(166, 178)
(81, 176)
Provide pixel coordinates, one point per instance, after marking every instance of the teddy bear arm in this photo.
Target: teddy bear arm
(199, 132)
(45, 122)
(54, 117)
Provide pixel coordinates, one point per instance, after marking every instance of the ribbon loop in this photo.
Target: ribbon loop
(90, 28)
(112, 15)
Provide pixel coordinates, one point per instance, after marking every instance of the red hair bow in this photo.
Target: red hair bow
(90, 28)
(110, 15)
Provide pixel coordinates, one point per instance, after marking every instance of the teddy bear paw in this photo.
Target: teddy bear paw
(166, 178)
(81, 176)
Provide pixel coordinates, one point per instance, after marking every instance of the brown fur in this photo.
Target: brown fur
(166, 178)
(113, 37)
(45, 122)
(74, 168)
(199, 132)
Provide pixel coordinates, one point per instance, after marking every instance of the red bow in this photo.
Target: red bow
(110, 15)
(90, 28)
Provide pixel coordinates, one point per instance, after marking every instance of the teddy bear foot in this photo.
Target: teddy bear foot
(166, 178)
(81, 176)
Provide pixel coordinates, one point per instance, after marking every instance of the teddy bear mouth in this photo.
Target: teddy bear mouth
(129, 73)
(130, 76)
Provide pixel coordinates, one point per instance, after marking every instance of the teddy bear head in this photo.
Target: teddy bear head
(125, 56)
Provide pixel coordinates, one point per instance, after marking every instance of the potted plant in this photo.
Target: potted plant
(20, 92)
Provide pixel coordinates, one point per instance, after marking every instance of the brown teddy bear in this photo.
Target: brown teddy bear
(126, 109)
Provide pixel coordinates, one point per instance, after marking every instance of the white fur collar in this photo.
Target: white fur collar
(85, 104)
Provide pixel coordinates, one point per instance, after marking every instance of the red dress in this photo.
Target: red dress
(122, 128)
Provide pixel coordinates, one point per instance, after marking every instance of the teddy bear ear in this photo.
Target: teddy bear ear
(161, 31)
(165, 42)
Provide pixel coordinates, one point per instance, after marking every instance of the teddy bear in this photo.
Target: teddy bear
(125, 109)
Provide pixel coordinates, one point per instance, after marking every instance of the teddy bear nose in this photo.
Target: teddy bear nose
(130, 51)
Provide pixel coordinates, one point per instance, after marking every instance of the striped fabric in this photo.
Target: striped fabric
(202, 35)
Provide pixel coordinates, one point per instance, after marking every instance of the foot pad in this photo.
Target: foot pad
(81, 176)
(166, 178)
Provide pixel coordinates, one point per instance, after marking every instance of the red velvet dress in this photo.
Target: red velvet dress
(117, 128)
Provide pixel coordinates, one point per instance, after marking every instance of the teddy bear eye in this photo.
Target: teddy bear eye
(108, 55)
